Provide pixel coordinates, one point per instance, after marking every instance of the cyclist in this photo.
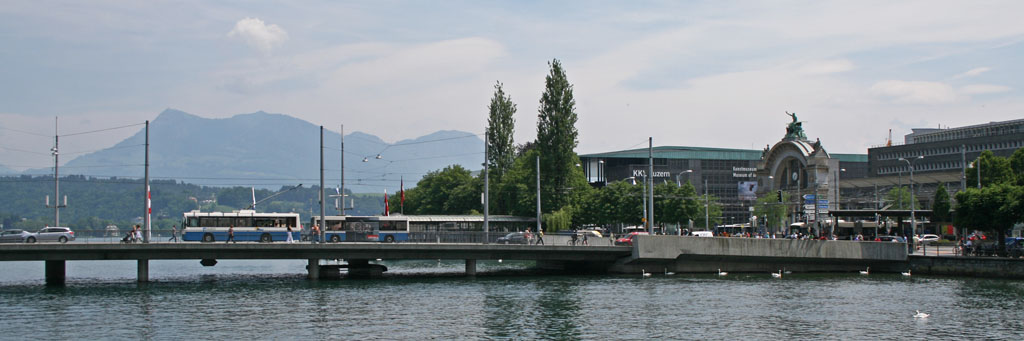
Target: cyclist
(574, 237)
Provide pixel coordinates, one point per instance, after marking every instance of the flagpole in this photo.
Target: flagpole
(401, 187)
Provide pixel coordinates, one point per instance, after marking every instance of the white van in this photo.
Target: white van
(702, 234)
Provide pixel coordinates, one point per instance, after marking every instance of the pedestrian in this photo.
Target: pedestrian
(290, 239)
(174, 233)
(540, 236)
(138, 233)
(316, 233)
(231, 235)
(528, 236)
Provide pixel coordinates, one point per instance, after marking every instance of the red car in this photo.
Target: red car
(629, 238)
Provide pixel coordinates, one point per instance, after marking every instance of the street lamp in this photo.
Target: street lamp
(679, 184)
(913, 220)
(643, 195)
(600, 172)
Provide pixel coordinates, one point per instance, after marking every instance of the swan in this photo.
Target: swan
(920, 315)
(777, 274)
(786, 271)
(644, 273)
(669, 273)
(722, 273)
(866, 271)
(906, 273)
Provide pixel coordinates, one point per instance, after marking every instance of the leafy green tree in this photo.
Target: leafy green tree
(675, 204)
(994, 208)
(557, 138)
(941, 205)
(994, 169)
(714, 212)
(449, 191)
(898, 198)
(773, 212)
(1017, 166)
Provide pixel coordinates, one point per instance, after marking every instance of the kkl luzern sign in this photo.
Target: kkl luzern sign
(642, 173)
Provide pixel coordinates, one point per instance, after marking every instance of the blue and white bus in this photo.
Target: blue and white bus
(249, 226)
(418, 228)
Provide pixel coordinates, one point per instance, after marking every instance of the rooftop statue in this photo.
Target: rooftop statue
(795, 130)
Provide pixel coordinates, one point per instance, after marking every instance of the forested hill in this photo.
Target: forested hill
(94, 203)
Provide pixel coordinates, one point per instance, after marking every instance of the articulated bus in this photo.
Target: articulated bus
(418, 228)
(249, 226)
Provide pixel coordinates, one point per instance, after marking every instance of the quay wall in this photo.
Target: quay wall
(992, 267)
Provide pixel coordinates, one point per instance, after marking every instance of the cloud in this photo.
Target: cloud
(977, 89)
(917, 92)
(825, 67)
(258, 34)
(973, 72)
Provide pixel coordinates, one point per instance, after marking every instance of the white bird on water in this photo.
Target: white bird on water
(906, 273)
(645, 273)
(722, 273)
(777, 274)
(920, 315)
(669, 273)
(865, 271)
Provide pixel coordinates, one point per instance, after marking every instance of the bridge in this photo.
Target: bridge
(357, 254)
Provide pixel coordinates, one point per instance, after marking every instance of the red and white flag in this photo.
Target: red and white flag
(386, 208)
(401, 187)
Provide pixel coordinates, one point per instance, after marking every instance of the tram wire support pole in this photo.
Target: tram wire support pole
(149, 197)
(487, 188)
(650, 188)
(322, 213)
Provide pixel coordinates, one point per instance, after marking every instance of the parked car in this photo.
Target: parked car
(894, 239)
(926, 238)
(513, 238)
(55, 234)
(629, 238)
(17, 236)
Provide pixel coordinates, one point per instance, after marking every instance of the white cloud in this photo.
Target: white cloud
(977, 89)
(916, 92)
(258, 34)
(973, 72)
(825, 67)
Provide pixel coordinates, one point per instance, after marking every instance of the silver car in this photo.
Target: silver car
(55, 234)
(17, 236)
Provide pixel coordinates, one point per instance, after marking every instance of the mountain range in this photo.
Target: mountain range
(272, 150)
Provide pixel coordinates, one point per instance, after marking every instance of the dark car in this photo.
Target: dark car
(55, 234)
(513, 238)
(628, 239)
(17, 236)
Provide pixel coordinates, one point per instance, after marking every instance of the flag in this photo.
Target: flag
(386, 208)
(401, 187)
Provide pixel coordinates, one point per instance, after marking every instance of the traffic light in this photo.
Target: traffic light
(779, 195)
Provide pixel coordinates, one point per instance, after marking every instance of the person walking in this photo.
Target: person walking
(231, 235)
(137, 235)
(290, 238)
(174, 233)
(316, 233)
(540, 236)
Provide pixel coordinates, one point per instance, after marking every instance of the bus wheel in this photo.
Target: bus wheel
(335, 239)
(265, 238)
(389, 239)
(208, 238)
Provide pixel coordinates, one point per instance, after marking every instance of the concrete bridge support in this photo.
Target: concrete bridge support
(55, 272)
(313, 268)
(143, 270)
(471, 267)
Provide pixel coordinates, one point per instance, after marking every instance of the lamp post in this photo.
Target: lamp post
(679, 184)
(600, 172)
(913, 221)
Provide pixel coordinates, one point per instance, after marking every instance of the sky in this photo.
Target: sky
(687, 73)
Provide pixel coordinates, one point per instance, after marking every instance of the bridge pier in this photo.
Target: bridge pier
(471, 267)
(143, 272)
(313, 267)
(55, 272)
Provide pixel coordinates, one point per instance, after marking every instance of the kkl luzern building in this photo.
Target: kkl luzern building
(737, 177)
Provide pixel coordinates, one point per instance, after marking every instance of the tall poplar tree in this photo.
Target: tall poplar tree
(557, 138)
(500, 130)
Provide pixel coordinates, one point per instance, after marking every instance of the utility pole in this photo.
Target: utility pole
(706, 204)
(56, 178)
(149, 194)
(487, 188)
(650, 188)
(963, 167)
(323, 226)
(538, 195)
(342, 190)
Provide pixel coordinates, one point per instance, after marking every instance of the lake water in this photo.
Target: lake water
(243, 299)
